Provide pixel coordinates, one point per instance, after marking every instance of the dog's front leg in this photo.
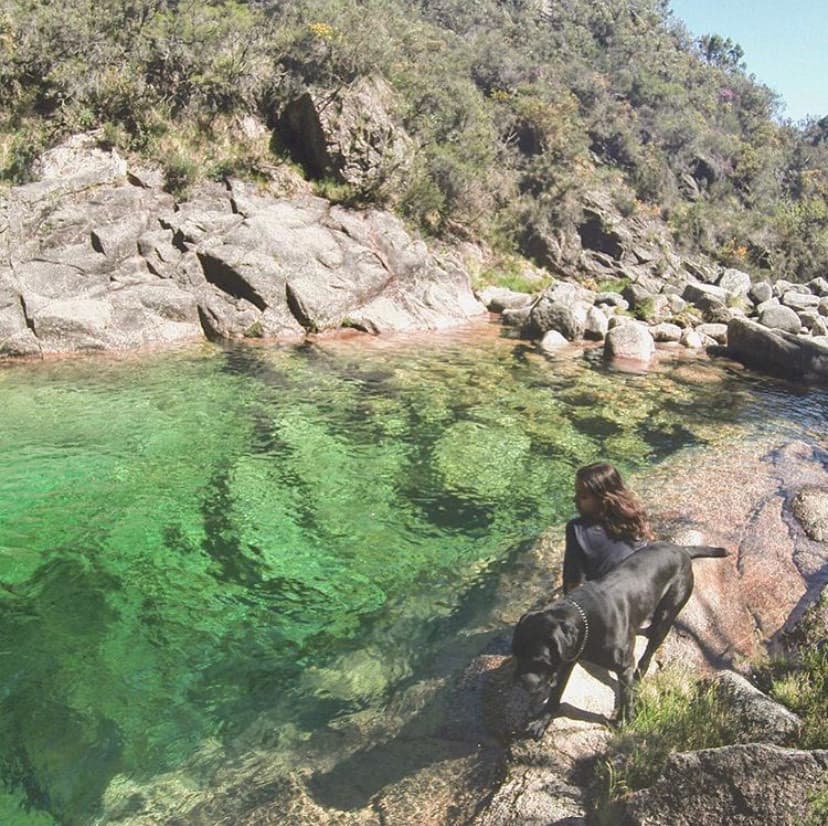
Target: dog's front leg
(624, 693)
(536, 727)
(541, 720)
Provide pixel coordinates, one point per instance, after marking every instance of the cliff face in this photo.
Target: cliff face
(95, 257)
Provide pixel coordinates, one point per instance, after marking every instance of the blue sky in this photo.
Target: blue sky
(785, 44)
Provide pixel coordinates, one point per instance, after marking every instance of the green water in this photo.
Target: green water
(195, 538)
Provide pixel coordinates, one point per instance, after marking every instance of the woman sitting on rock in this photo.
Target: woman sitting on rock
(610, 527)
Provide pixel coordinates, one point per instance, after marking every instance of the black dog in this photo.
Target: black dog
(599, 621)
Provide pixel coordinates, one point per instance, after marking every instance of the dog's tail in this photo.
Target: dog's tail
(696, 551)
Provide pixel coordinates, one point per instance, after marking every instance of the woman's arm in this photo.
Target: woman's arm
(573, 567)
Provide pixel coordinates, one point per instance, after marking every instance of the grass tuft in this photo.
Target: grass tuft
(673, 714)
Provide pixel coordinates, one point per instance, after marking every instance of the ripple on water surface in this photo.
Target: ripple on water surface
(196, 539)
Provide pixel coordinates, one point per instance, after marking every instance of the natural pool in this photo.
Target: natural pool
(194, 539)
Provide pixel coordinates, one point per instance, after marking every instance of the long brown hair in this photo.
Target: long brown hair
(621, 514)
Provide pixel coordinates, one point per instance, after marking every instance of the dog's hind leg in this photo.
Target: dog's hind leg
(663, 616)
(657, 635)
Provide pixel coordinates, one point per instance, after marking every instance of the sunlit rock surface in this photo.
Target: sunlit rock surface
(97, 259)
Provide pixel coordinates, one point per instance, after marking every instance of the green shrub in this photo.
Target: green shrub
(804, 689)
(509, 139)
(422, 200)
(255, 330)
(337, 192)
(19, 154)
(799, 679)
(180, 173)
(510, 273)
(645, 310)
(818, 809)
(613, 285)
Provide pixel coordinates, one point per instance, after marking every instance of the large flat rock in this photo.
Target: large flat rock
(776, 350)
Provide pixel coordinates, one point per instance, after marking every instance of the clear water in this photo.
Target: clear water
(188, 540)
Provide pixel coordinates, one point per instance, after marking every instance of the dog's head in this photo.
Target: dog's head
(539, 644)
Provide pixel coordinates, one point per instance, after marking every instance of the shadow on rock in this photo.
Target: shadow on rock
(452, 728)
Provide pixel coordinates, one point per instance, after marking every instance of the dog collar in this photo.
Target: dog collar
(586, 632)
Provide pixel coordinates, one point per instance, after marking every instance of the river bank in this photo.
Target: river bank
(95, 256)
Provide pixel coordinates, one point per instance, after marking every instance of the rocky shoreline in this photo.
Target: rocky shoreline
(779, 328)
(740, 609)
(96, 256)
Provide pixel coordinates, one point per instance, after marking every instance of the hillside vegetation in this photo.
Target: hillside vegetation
(516, 109)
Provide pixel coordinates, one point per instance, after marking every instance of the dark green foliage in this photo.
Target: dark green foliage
(179, 174)
(517, 109)
(721, 51)
(645, 310)
(22, 152)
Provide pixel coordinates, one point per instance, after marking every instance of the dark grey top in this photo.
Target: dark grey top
(591, 552)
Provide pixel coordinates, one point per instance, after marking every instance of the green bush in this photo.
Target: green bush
(515, 115)
(799, 678)
(335, 191)
(804, 689)
(818, 813)
(19, 154)
(180, 173)
(615, 285)
(645, 310)
(509, 272)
